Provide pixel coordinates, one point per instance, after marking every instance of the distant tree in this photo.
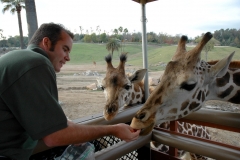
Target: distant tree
(113, 45)
(93, 37)
(103, 37)
(237, 42)
(115, 31)
(76, 37)
(31, 15)
(1, 34)
(15, 6)
(81, 29)
(87, 38)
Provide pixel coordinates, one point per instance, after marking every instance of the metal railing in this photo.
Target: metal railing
(212, 118)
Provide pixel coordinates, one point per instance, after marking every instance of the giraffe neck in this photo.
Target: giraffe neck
(226, 88)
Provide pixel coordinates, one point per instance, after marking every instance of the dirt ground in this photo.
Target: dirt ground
(78, 102)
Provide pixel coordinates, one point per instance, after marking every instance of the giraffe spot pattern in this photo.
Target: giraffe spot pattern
(138, 96)
(193, 105)
(185, 113)
(173, 110)
(203, 97)
(130, 102)
(133, 95)
(195, 94)
(199, 95)
(236, 78)
(184, 105)
(126, 98)
(226, 92)
(220, 82)
(235, 98)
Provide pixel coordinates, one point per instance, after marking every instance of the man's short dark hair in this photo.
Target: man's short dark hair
(50, 30)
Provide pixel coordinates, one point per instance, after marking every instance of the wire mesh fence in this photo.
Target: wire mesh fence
(99, 144)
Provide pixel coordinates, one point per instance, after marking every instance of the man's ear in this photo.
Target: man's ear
(46, 43)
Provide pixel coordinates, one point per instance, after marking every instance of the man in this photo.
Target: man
(29, 108)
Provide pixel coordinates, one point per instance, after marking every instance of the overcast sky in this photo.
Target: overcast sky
(185, 17)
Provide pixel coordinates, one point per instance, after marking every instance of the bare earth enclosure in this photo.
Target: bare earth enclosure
(78, 101)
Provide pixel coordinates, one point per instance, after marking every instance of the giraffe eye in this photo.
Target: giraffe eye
(187, 87)
(127, 87)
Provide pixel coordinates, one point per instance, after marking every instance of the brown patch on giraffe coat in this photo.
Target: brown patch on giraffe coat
(168, 84)
(180, 128)
(226, 92)
(236, 78)
(158, 100)
(185, 113)
(199, 95)
(184, 105)
(220, 82)
(203, 97)
(207, 93)
(133, 95)
(138, 96)
(173, 110)
(130, 102)
(136, 89)
(125, 98)
(195, 94)
(235, 98)
(193, 105)
(190, 132)
(199, 133)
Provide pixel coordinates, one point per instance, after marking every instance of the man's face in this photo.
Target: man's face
(61, 51)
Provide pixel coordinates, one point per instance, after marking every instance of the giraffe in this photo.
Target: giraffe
(123, 91)
(193, 81)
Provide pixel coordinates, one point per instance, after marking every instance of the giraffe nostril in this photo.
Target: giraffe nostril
(141, 116)
(112, 108)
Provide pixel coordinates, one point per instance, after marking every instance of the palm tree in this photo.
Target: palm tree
(15, 6)
(113, 45)
(31, 15)
(81, 29)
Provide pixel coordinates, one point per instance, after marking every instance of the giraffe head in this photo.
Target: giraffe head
(183, 87)
(118, 87)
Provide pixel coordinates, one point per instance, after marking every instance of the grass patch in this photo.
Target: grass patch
(86, 53)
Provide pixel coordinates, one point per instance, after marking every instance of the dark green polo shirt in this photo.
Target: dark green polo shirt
(29, 108)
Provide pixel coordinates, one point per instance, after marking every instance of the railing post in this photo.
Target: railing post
(173, 127)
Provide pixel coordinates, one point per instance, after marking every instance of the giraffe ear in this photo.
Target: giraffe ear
(137, 76)
(220, 68)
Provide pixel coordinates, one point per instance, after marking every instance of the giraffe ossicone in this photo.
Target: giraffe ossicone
(185, 85)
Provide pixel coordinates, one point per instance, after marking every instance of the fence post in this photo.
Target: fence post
(173, 127)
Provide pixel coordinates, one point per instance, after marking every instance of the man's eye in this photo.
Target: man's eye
(127, 87)
(188, 87)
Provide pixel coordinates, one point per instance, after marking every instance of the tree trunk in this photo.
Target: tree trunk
(31, 15)
(20, 28)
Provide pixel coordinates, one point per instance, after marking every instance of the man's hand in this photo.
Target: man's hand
(125, 132)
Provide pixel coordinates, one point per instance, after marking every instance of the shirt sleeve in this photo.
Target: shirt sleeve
(33, 100)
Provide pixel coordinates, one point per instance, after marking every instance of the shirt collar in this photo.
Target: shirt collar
(37, 49)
